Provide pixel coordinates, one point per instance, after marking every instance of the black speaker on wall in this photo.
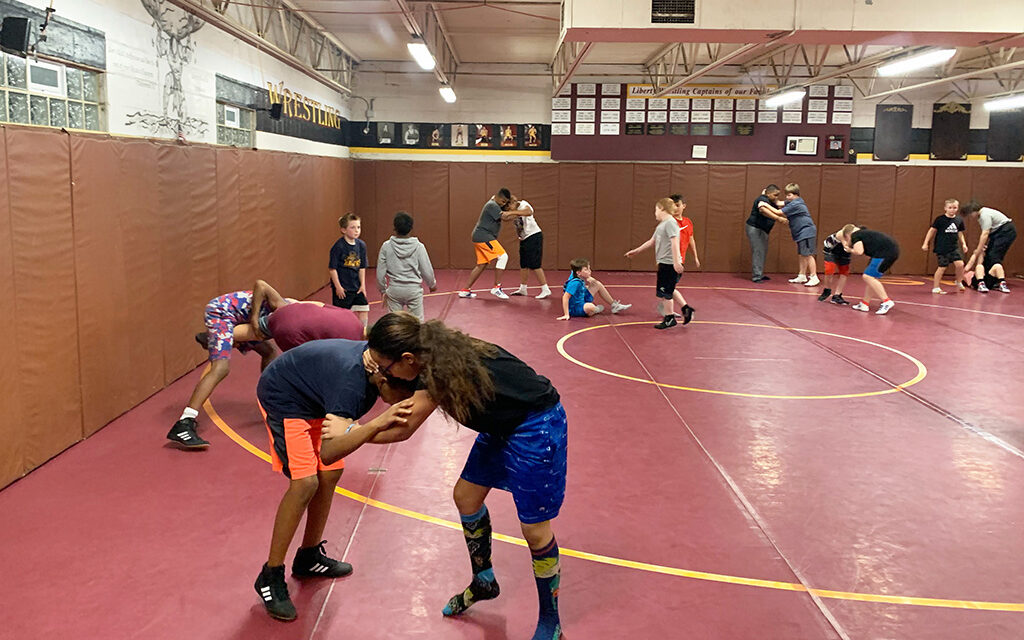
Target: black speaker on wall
(14, 34)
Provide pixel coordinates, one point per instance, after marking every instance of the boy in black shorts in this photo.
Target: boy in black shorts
(837, 268)
(950, 244)
(883, 251)
(348, 268)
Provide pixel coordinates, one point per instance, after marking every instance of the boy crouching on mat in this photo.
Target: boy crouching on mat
(837, 268)
(578, 299)
(883, 251)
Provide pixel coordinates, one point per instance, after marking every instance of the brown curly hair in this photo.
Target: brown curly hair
(453, 369)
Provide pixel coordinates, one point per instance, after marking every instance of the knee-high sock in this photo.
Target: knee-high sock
(476, 528)
(547, 572)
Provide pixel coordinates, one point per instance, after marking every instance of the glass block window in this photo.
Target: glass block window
(238, 133)
(79, 108)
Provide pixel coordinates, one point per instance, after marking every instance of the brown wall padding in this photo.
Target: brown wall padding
(467, 194)
(430, 209)
(12, 454)
(394, 193)
(117, 258)
(912, 214)
(42, 248)
(540, 188)
(838, 204)
(691, 180)
(612, 212)
(577, 184)
(724, 239)
(365, 176)
(876, 187)
(1002, 188)
(94, 229)
(649, 182)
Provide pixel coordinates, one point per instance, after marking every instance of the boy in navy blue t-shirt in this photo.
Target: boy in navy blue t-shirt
(348, 268)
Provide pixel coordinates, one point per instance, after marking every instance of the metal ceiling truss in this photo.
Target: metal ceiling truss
(284, 32)
(427, 22)
(990, 73)
(567, 60)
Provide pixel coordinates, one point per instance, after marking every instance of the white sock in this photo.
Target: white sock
(189, 412)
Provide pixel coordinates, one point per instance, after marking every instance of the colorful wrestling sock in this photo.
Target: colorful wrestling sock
(477, 529)
(547, 572)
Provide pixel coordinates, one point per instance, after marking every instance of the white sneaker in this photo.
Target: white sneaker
(618, 306)
(800, 279)
(498, 293)
(544, 293)
(599, 309)
(884, 309)
(521, 291)
(940, 291)
(860, 306)
(466, 293)
(813, 282)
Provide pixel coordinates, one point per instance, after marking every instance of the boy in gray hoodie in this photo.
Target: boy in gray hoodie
(402, 267)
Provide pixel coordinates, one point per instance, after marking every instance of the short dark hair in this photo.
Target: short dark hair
(772, 188)
(345, 219)
(504, 193)
(403, 223)
(678, 198)
(578, 264)
(971, 206)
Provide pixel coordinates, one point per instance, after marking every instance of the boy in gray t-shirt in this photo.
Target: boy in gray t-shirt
(670, 264)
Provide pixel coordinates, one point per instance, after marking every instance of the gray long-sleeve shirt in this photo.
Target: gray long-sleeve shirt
(404, 261)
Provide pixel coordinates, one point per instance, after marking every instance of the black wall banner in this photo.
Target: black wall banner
(434, 135)
(951, 131)
(1006, 136)
(301, 116)
(893, 124)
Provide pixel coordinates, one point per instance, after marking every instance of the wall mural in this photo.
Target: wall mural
(175, 49)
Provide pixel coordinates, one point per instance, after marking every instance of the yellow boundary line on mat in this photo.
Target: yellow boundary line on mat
(921, 370)
(644, 566)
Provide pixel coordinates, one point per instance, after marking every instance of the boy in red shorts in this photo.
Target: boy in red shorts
(837, 268)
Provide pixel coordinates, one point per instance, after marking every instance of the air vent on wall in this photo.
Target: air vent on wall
(673, 11)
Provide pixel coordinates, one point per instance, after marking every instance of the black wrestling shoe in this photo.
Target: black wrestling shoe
(667, 321)
(824, 295)
(687, 313)
(839, 299)
(273, 591)
(183, 433)
(312, 562)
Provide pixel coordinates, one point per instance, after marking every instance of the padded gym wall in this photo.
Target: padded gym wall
(111, 249)
(601, 210)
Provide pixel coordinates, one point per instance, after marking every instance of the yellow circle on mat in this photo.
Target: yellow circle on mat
(922, 371)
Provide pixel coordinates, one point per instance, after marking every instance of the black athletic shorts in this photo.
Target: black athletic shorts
(352, 300)
(998, 243)
(667, 281)
(531, 251)
(946, 259)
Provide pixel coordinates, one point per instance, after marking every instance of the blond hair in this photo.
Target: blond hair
(793, 188)
(666, 204)
(847, 230)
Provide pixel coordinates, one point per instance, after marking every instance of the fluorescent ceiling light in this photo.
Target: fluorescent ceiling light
(448, 94)
(785, 98)
(1004, 104)
(422, 55)
(913, 63)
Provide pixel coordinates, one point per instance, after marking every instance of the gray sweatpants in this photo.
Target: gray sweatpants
(758, 249)
(405, 296)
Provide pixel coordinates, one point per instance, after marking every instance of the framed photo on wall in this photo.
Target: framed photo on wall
(801, 145)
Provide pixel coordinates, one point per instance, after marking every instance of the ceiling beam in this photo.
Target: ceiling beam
(567, 60)
(247, 27)
(941, 81)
